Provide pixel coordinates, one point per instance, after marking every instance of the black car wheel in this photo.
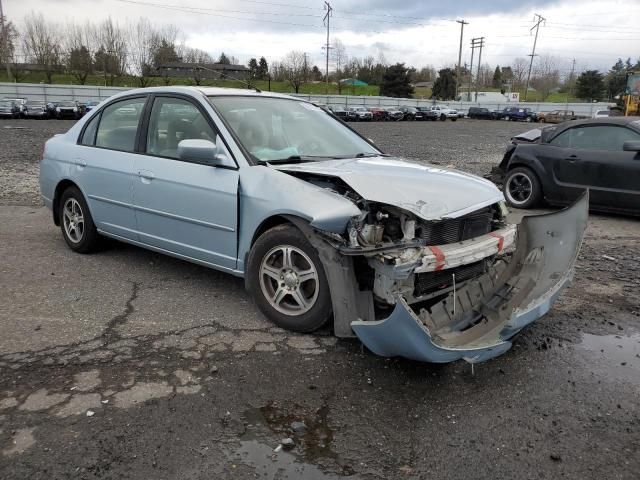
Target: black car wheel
(286, 279)
(522, 188)
(507, 118)
(443, 117)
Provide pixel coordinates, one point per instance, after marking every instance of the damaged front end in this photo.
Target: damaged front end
(475, 320)
(441, 287)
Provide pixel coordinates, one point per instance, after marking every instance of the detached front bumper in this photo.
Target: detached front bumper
(477, 322)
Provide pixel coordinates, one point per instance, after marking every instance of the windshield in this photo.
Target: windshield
(274, 129)
(67, 104)
(6, 103)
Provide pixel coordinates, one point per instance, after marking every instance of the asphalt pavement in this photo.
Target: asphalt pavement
(130, 364)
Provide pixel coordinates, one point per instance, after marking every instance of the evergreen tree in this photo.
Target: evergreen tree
(590, 85)
(263, 68)
(444, 87)
(253, 68)
(497, 78)
(396, 82)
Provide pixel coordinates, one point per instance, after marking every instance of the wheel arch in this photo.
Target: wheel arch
(60, 188)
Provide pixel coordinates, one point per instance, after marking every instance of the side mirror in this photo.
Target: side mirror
(204, 151)
(631, 146)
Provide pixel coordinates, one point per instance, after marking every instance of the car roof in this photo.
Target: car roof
(210, 91)
(600, 121)
(553, 131)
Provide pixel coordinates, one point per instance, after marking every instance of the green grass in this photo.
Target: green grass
(128, 81)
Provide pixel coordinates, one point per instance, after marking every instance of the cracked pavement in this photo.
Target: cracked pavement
(130, 364)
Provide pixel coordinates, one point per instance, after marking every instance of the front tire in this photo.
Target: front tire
(286, 279)
(522, 188)
(76, 222)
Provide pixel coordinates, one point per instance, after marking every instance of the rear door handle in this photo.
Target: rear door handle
(146, 176)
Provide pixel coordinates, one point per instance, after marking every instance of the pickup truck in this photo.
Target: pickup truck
(445, 112)
(558, 116)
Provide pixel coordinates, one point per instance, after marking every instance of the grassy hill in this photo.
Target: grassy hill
(127, 81)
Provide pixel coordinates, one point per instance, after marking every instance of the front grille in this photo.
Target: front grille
(433, 281)
(458, 229)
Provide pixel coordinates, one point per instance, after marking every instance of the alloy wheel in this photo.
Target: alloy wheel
(73, 220)
(289, 280)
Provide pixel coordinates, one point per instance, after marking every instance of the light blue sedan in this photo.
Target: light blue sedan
(416, 260)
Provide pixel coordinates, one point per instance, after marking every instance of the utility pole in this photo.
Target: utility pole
(480, 45)
(475, 42)
(325, 21)
(462, 24)
(533, 52)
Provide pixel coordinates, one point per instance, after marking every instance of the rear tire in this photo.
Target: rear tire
(286, 279)
(522, 188)
(76, 222)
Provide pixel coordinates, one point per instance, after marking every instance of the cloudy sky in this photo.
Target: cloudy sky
(417, 32)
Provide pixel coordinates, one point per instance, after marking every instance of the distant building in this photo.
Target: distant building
(213, 71)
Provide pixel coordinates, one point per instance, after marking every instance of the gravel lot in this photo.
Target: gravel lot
(130, 364)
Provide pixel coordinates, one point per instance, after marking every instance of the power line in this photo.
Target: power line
(533, 52)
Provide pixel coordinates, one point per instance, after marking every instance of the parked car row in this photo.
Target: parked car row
(24, 108)
(391, 114)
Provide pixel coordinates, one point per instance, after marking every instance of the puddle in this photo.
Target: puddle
(617, 355)
(266, 426)
(281, 465)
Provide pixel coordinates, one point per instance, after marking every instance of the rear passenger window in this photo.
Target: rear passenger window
(119, 125)
(173, 120)
(89, 135)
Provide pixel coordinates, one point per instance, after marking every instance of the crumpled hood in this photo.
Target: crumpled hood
(427, 191)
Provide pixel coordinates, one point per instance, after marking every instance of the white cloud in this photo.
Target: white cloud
(595, 34)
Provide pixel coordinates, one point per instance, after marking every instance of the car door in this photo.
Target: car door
(183, 207)
(103, 165)
(594, 158)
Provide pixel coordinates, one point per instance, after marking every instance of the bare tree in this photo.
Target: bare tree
(546, 75)
(142, 41)
(8, 39)
(295, 68)
(78, 51)
(41, 43)
(197, 57)
(111, 50)
(165, 50)
(340, 59)
(519, 68)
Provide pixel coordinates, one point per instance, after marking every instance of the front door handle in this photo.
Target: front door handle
(573, 158)
(80, 163)
(146, 174)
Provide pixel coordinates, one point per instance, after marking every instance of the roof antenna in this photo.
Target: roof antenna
(226, 75)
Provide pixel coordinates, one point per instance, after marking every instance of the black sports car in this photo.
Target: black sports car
(557, 163)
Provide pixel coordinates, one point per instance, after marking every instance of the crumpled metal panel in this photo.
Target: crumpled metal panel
(558, 235)
(423, 190)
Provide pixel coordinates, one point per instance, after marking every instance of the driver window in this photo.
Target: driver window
(173, 120)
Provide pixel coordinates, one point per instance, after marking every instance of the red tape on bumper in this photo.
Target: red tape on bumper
(439, 254)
